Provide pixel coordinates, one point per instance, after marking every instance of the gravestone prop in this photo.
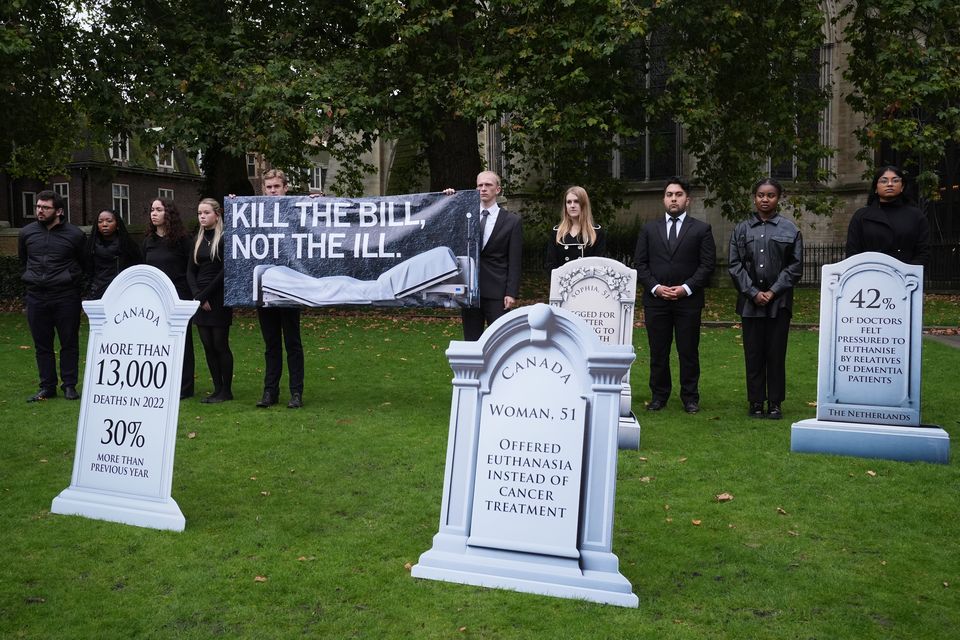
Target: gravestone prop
(530, 478)
(123, 466)
(868, 382)
(603, 292)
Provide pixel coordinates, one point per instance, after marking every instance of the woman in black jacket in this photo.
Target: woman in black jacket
(109, 250)
(889, 223)
(167, 247)
(576, 236)
(213, 320)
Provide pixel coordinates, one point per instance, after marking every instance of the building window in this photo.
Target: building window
(121, 201)
(120, 148)
(63, 190)
(818, 79)
(251, 165)
(318, 178)
(164, 158)
(656, 153)
(29, 204)
(167, 194)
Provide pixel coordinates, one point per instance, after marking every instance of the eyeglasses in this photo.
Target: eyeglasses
(44, 207)
(889, 180)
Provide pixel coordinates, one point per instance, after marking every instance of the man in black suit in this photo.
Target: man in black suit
(675, 258)
(500, 256)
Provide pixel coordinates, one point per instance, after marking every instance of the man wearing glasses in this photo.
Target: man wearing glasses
(51, 258)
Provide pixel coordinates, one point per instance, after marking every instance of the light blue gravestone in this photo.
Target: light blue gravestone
(868, 382)
(126, 434)
(530, 477)
(604, 293)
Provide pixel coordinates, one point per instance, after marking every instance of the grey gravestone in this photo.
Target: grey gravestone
(530, 478)
(603, 292)
(126, 434)
(868, 383)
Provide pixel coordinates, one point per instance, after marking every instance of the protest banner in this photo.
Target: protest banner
(408, 250)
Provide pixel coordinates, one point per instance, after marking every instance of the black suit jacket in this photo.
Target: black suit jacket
(691, 262)
(499, 268)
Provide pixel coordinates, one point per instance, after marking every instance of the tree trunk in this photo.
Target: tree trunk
(223, 174)
(453, 155)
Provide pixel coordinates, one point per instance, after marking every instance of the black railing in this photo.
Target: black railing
(941, 273)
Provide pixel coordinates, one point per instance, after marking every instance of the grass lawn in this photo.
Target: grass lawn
(300, 523)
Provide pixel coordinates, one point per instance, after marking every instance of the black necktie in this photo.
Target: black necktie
(483, 223)
(672, 236)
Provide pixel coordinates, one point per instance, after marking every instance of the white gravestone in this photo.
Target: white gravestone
(126, 435)
(868, 382)
(603, 292)
(530, 478)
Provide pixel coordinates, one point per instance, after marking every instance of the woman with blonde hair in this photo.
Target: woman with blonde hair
(576, 236)
(213, 320)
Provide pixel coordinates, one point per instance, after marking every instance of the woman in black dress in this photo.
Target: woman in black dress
(576, 236)
(890, 223)
(110, 250)
(167, 247)
(205, 276)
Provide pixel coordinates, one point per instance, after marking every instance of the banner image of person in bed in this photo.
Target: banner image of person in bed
(410, 250)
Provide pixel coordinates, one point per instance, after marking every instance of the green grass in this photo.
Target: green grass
(329, 503)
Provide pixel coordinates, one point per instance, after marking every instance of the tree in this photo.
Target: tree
(904, 71)
(39, 128)
(221, 78)
(740, 84)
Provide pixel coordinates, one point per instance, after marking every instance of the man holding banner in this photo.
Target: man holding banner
(499, 263)
(280, 327)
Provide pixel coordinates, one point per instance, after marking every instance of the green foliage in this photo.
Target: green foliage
(39, 127)
(903, 66)
(744, 82)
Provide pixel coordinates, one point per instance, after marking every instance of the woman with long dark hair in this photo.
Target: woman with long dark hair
(765, 263)
(167, 247)
(109, 250)
(576, 236)
(890, 223)
(213, 320)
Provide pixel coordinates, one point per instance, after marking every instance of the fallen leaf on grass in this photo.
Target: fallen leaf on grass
(462, 629)
(253, 477)
(192, 435)
(260, 579)
(811, 404)
(666, 507)
(25, 347)
(793, 533)
(306, 558)
(669, 520)
(408, 566)
(642, 459)
(946, 584)
(645, 479)
(42, 460)
(782, 511)
(871, 473)
(724, 497)
(264, 493)
(696, 523)
(683, 459)
(39, 600)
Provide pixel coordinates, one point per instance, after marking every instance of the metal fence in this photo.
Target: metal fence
(941, 273)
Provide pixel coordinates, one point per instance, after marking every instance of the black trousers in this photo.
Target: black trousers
(58, 316)
(765, 356)
(280, 327)
(476, 319)
(216, 348)
(664, 323)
